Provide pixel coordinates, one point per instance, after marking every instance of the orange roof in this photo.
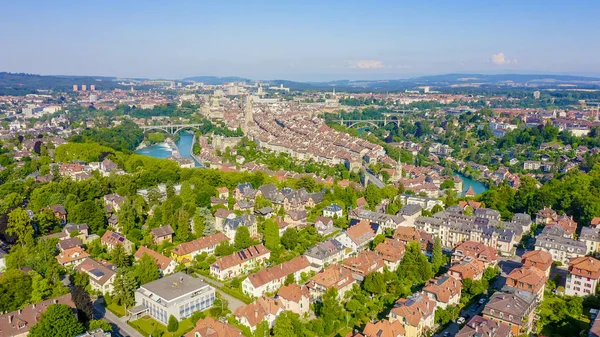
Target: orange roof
(293, 292)
(468, 269)
(595, 222)
(476, 250)
(414, 309)
(391, 250)
(256, 311)
(199, 244)
(161, 261)
(526, 278)
(361, 232)
(242, 256)
(279, 271)
(384, 328)
(72, 254)
(209, 327)
(539, 259)
(365, 263)
(585, 266)
(406, 234)
(332, 276)
(444, 288)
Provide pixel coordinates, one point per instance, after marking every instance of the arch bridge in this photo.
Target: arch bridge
(377, 123)
(170, 128)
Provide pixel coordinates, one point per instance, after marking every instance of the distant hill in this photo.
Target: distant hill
(22, 84)
(517, 78)
(214, 80)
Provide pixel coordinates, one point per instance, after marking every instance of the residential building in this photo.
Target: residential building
(60, 212)
(511, 310)
(383, 328)
(562, 249)
(392, 252)
(221, 215)
(333, 211)
(545, 216)
(72, 256)
(327, 252)
(334, 276)
(595, 328)
(410, 213)
(209, 327)
(69, 243)
(357, 237)
(475, 250)
(582, 279)
(162, 234)
(95, 333)
(230, 226)
(384, 220)
(480, 326)
(165, 264)
(18, 323)
(539, 259)
(468, 268)
(270, 279)
(111, 239)
(527, 279)
(295, 298)
(444, 290)
(425, 202)
(185, 252)
(263, 309)
(240, 263)
(324, 225)
(178, 295)
(416, 313)
(101, 276)
(591, 237)
(364, 263)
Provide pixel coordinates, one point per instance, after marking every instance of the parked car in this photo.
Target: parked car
(482, 301)
(460, 320)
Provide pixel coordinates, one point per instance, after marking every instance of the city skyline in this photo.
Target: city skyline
(306, 41)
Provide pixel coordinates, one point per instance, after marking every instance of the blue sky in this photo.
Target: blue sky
(299, 40)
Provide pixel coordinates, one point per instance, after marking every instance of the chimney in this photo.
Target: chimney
(20, 311)
(10, 318)
(33, 305)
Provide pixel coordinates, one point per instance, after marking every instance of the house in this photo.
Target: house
(333, 211)
(101, 276)
(562, 249)
(333, 276)
(271, 193)
(98, 332)
(270, 279)
(240, 263)
(384, 220)
(60, 212)
(468, 268)
(410, 234)
(113, 202)
(357, 237)
(511, 310)
(18, 323)
(324, 225)
(82, 230)
(327, 252)
(72, 256)
(222, 193)
(538, 259)
(364, 263)
(263, 309)
(209, 327)
(545, 216)
(230, 226)
(591, 237)
(185, 252)
(383, 328)
(479, 326)
(416, 313)
(444, 290)
(162, 234)
(69, 243)
(595, 329)
(567, 223)
(178, 295)
(296, 217)
(582, 279)
(410, 214)
(527, 279)
(243, 205)
(165, 264)
(392, 252)
(111, 239)
(301, 199)
(475, 250)
(221, 215)
(244, 192)
(295, 298)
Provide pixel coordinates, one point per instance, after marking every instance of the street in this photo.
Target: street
(120, 326)
(232, 302)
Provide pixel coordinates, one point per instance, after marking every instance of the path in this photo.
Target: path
(120, 326)
(232, 302)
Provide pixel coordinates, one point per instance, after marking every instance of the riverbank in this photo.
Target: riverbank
(477, 186)
(180, 148)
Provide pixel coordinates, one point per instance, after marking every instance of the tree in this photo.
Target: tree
(283, 326)
(41, 289)
(373, 195)
(289, 279)
(436, 208)
(375, 283)
(146, 270)
(100, 324)
(124, 288)
(183, 225)
(271, 235)
(88, 212)
(414, 265)
(448, 183)
(19, 224)
(330, 310)
(127, 216)
(224, 248)
(15, 289)
(173, 324)
(83, 303)
(437, 257)
(242, 238)
(119, 256)
(379, 238)
(289, 239)
(58, 321)
(46, 221)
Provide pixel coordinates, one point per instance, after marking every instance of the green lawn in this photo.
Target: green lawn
(147, 325)
(118, 310)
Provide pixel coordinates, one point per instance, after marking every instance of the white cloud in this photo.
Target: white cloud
(501, 59)
(366, 64)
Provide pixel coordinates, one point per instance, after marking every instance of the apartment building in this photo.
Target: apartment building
(583, 276)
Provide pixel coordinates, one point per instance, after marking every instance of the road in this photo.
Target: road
(232, 302)
(506, 264)
(120, 326)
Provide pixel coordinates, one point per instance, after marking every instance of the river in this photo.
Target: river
(478, 186)
(162, 150)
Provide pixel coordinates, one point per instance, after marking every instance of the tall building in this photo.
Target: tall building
(248, 113)
(536, 94)
(75, 88)
(93, 87)
(83, 87)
